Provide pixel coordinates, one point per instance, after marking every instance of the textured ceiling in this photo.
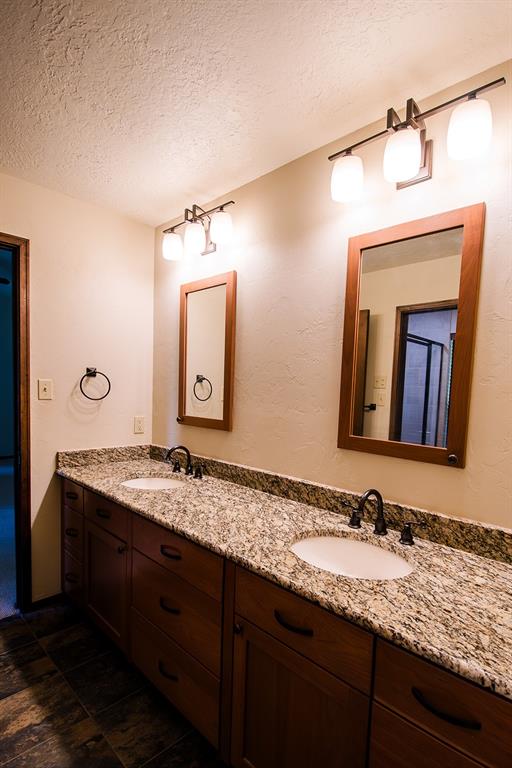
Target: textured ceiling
(149, 105)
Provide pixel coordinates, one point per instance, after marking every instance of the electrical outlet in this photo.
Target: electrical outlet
(379, 382)
(45, 389)
(380, 397)
(138, 425)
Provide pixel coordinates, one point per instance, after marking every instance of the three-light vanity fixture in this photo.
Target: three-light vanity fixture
(204, 231)
(408, 153)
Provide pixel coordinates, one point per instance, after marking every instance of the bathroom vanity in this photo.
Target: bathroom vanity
(279, 666)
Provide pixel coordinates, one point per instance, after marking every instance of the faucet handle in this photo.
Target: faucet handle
(355, 519)
(198, 474)
(406, 536)
(176, 466)
(190, 469)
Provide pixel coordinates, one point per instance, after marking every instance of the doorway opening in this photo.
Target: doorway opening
(15, 550)
(424, 347)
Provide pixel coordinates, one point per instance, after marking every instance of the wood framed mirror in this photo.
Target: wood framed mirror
(410, 317)
(207, 352)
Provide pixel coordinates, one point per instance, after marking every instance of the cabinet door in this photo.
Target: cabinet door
(289, 713)
(106, 582)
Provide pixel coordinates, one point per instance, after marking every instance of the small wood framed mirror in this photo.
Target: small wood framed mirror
(410, 318)
(207, 352)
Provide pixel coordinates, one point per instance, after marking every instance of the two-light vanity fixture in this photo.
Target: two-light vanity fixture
(204, 231)
(408, 154)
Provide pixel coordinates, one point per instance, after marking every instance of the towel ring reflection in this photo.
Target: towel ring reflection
(199, 380)
(91, 373)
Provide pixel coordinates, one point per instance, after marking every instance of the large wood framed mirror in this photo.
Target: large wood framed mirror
(410, 317)
(207, 352)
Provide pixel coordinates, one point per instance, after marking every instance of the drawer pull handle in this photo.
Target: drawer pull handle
(165, 607)
(122, 548)
(304, 631)
(73, 532)
(471, 725)
(164, 673)
(103, 513)
(169, 552)
(71, 495)
(72, 578)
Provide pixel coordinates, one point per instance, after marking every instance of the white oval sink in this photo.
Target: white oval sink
(153, 483)
(349, 557)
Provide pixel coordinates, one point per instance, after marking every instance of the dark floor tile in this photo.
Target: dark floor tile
(36, 714)
(14, 633)
(81, 746)
(104, 681)
(190, 752)
(75, 645)
(141, 726)
(23, 667)
(52, 618)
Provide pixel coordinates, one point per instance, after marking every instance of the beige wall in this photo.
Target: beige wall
(382, 292)
(91, 303)
(290, 255)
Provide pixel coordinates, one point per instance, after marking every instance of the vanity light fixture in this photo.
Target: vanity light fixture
(408, 153)
(204, 230)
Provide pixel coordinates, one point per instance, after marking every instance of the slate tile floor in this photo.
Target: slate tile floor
(69, 699)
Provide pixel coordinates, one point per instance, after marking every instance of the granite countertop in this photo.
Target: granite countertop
(455, 608)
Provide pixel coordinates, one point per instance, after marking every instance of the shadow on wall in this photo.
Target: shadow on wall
(46, 542)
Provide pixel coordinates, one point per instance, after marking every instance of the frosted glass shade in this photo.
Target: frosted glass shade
(470, 129)
(347, 179)
(195, 238)
(221, 228)
(172, 246)
(402, 156)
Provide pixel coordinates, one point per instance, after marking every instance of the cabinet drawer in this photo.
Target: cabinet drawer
(73, 495)
(109, 515)
(185, 682)
(72, 577)
(396, 743)
(73, 532)
(462, 714)
(331, 642)
(188, 616)
(191, 562)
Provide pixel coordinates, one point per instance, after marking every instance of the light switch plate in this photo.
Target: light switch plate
(45, 389)
(379, 382)
(138, 425)
(380, 397)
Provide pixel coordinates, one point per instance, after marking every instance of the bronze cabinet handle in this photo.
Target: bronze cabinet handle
(165, 549)
(71, 495)
(304, 631)
(165, 607)
(471, 725)
(122, 548)
(72, 532)
(164, 673)
(103, 513)
(72, 578)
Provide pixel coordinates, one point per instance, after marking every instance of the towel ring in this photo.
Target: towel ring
(199, 380)
(91, 373)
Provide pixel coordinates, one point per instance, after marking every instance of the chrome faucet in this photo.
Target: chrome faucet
(381, 528)
(176, 463)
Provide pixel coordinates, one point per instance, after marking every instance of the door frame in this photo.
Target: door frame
(23, 527)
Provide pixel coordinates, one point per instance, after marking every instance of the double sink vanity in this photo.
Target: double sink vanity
(286, 636)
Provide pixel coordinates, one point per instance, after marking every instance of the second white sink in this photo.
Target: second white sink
(153, 483)
(349, 557)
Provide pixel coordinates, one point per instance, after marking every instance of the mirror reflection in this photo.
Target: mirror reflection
(407, 326)
(205, 340)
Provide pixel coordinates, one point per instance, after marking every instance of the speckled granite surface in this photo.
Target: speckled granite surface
(480, 538)
(455, 608)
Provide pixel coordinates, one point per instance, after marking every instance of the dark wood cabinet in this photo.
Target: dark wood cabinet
(106, 581)
(458, 713)
(290, 713)
(271, 678)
